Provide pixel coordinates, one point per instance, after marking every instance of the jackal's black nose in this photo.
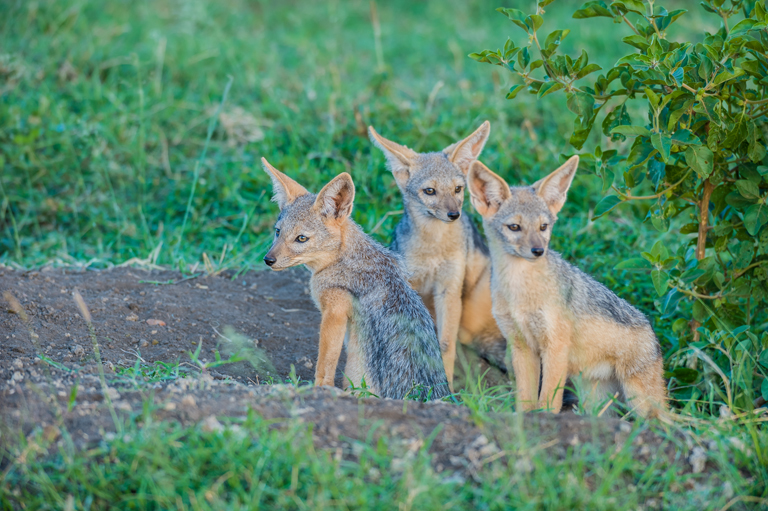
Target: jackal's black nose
(269, 260)
(454, 215)
(538, 252)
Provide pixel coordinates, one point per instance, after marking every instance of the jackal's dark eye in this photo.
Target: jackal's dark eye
(301, 238)
(459, 189)
(429, 191)
(277, 232)
(543, 227)
(514, 227)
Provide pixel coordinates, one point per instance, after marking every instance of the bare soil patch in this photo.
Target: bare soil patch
(137, 311)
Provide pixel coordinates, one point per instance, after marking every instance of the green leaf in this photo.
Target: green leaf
(632, 131)
(656, 171)
(685, 137)
(662, 143)
(516, 16)
(756, 150)
(669, 305)
(755, 217)
(700, 159)
(514, 90)
(653, 98)
(763, 360)
(678, 112)
(616, 117)
(634, 264)
(737, 201)
(549, 88)
(748, 189)
(678, 75)
(660, 222)
(589, 68)
(666, 21)
(638, 41)
(700, 312)
(660, 280)
(685, 375)
(630, 6)
(581, 104)
(724, 76)
(510, 50)
(593, 9)
(660, 251)
(534, 21)
(606, 204)
(524, 58)
(555, 38)
(743, 256)
(689, 228)
(764, 388)
(690, 275)
(641, 151)
(741, 27)
(608, 177)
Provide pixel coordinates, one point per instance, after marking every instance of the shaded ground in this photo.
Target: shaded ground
(64, 398)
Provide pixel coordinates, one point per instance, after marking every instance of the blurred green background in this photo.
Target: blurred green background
(105, 109)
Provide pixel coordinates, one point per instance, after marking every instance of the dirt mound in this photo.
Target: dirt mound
(162, 316)
(339, 420)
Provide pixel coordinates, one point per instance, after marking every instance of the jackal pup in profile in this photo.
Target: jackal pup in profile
(556, 317)
(447, 258)
(361, 290)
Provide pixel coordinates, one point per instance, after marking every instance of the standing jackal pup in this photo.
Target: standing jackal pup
(361, 291)
(443, 251)
(555, 316)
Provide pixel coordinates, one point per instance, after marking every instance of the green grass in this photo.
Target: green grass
(105, 112)
(252, 465)
(111, 150)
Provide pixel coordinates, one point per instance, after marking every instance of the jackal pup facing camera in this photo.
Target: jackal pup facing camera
(361, 290)
(442, 249)
(555, 316)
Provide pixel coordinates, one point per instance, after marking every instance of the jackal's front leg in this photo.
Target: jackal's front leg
(527, 366)
(448, 312)
(336, 308)
(554, 361)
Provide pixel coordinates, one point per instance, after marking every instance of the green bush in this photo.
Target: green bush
(699, 162)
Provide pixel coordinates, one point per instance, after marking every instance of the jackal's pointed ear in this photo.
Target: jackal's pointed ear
(286, 190)
(487, 191)
(464, 152)
(399, 157)
(554, 188)
(336, 198)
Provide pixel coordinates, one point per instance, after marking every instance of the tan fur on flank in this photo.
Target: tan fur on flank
(442, 249)
(556, 317)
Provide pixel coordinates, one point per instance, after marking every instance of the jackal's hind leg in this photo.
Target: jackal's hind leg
(354, 369)
(646, 392)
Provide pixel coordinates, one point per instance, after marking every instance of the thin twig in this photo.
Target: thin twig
(386, 215)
